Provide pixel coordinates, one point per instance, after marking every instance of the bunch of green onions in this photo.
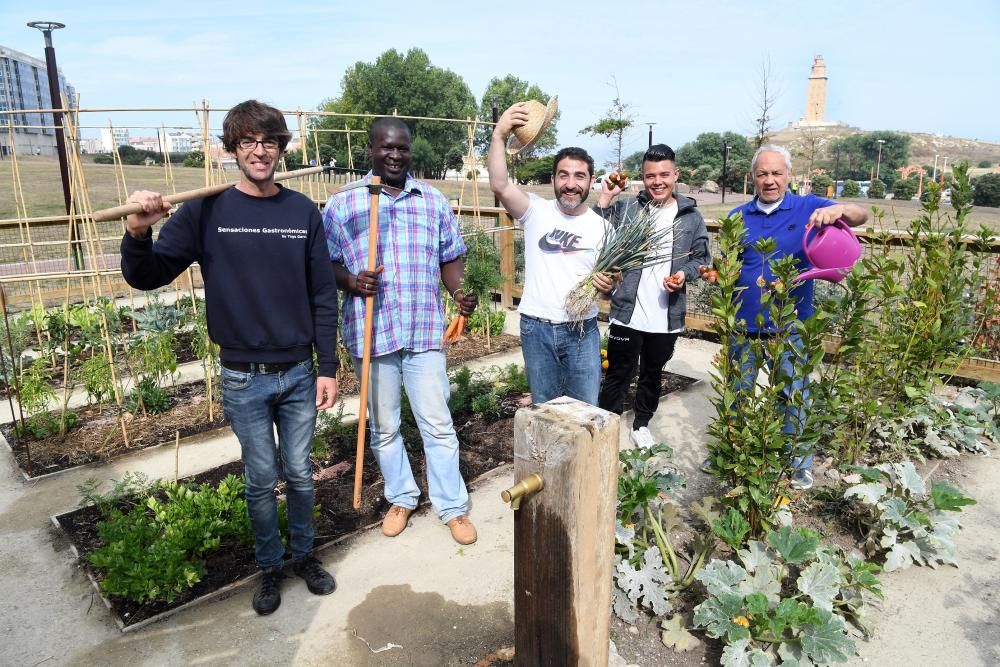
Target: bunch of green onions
(628, 246)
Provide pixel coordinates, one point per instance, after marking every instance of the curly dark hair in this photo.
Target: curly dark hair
(249, 118)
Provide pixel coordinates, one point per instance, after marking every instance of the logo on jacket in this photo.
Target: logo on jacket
(559, 241)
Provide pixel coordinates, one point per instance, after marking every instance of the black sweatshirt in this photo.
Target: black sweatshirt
(269, 284)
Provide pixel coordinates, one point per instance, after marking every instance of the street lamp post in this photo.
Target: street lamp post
(650, 133)
(836, 172)
(496, 116)
(57, 121)
(725, 161)
(878, 162)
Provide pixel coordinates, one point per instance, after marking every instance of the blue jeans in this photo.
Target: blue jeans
(254, 403)
(425, 376)
(560, 360)
(794, 415)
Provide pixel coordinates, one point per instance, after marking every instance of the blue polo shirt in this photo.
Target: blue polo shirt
(787, 226)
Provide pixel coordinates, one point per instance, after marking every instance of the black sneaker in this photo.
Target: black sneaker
(268, 596)
(318, 580)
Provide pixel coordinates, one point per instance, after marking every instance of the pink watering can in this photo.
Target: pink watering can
(832, 250)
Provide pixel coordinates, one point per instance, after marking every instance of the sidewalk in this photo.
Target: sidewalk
(435, 602)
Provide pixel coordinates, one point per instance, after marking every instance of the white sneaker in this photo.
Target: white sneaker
(642, 438)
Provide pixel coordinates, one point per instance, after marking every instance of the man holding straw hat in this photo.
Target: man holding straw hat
(561, 240)
(270, 297)
(421, 246)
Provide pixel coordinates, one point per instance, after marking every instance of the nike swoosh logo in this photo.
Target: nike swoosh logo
(546, 246)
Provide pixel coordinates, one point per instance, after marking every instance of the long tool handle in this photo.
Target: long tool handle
(367, 358)
(180, 197)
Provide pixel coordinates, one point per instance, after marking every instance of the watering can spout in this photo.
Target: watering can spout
(832, 250)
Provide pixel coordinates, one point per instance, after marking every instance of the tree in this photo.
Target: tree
(706, 151)
(859, 154)
(851, 189)
(767, 97)
(424, 160)
(820, 184)
(614, 124)
(984, 164)
(876, 190)
(986, 190)
(408, 85)
(633, 163)
(905, 188)
(507, 91)
(536, 170)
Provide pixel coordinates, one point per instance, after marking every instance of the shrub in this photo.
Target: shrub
(851, 189)
(987, 190)
(820, 184)
(905, 188)
(876, 190)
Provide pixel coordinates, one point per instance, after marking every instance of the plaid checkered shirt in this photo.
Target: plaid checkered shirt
(417, 233)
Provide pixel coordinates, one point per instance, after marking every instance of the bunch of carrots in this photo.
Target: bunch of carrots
(454, 331)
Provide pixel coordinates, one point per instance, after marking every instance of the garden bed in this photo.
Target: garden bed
(486, 445)
(97, 434)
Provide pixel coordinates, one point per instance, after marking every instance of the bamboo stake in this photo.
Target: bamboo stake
(19, 196)
(367, 358)
(17, 383)
(177, 457)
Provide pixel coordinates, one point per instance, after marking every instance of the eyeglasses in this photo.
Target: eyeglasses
(251, 144)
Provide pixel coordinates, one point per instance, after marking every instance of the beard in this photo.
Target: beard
(567, 202)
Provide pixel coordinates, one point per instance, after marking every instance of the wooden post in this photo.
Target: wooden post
(564, 536)
(507, 265)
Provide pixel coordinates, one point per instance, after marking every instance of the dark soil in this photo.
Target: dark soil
(470, 346)
(98, 433)
(486, 443)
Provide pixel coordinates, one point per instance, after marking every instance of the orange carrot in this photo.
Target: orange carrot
(447, 332)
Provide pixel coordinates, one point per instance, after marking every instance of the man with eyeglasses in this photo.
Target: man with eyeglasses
(270, 299)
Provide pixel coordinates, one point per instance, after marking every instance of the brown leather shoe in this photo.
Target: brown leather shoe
(395, 520)
(462, 530)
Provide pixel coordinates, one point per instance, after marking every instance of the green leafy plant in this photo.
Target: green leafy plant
(330, 427)
(148, 397)
(95, 372)
(788, 599)
(648, 568)
(482, 276)
(904, 319)
(157, 317)
(155, 550)
(750, 450)
(905, 522)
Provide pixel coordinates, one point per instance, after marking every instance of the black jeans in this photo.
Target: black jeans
(627, 346)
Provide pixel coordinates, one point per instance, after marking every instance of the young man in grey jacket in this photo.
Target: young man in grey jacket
(648, 305)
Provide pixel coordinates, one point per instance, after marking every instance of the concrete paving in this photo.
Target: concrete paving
(420, 599)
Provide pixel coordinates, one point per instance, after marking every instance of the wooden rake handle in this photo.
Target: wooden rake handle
(180, 197)
(367, 358)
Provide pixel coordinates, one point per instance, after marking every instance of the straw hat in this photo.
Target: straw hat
(539, 117)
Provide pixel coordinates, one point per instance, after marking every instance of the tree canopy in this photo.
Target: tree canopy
(407, 85)
(507, 91)
(987, 190)
(701, 159)
(859, 154)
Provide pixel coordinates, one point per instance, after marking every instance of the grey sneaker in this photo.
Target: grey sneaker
(642, 438)
(802, 480)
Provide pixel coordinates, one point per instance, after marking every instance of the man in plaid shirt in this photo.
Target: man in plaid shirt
(419, 247)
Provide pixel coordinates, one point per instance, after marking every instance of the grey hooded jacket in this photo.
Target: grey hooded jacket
(690, 251)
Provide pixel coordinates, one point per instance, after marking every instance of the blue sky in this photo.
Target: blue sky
(690, 67)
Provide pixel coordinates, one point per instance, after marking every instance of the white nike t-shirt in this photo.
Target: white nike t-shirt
(651, 313)
(559, 250)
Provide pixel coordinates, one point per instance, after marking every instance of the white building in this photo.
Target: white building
(110, 140)
(175, 142)
(24, 85)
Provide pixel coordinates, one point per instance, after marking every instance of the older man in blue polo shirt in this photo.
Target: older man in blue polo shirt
(784, 217)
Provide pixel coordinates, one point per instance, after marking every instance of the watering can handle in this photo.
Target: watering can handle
(839, 222)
